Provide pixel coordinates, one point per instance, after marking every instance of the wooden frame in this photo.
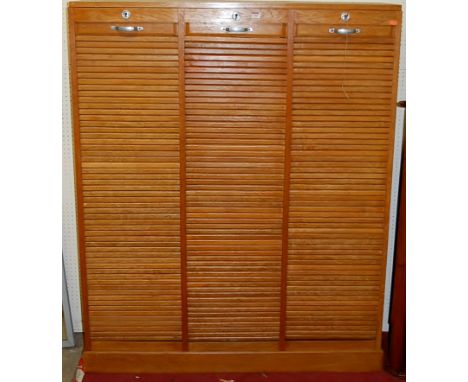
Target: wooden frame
(186, 355)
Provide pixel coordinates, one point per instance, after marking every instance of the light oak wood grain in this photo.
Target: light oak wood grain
(233, 188)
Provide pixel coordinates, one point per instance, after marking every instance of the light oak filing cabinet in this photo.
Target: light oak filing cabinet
(233, 170)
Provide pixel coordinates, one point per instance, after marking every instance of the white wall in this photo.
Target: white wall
(69, 237)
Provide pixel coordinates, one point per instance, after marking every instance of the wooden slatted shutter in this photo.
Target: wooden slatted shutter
(128, 150)
(235, 117)
(341, 156)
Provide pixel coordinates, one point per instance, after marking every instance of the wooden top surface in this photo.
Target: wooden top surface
(391, 5)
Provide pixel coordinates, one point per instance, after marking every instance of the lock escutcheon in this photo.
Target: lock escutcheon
(126, 14)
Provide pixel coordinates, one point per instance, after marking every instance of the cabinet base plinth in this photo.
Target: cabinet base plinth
(204, 362)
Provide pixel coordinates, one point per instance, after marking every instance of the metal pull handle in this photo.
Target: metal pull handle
(237, 29)
(126, 28)
(344, 30)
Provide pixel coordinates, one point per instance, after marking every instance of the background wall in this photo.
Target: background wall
(69, 238)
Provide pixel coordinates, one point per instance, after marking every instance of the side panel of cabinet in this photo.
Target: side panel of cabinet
(126, 126)
(342, 138)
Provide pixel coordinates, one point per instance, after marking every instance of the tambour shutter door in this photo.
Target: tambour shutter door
(341, 140)
(235, 117)
(128, 143)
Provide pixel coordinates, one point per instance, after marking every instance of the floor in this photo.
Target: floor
(70, 358)
(250, 377)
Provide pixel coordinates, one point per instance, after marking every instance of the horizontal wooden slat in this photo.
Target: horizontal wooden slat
(214, 28)
(138, 14)
(361, 17)
(104, 28)
(266, 15)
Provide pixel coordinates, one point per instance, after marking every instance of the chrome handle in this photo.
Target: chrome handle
(237, 29)
(344, 30)
(126, 28)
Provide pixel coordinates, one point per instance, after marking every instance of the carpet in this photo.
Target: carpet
(244, 377)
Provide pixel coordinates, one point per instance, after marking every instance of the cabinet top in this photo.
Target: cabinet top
(390, 5)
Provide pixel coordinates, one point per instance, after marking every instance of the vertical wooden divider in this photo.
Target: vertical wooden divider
(182, 157)
(286, 180)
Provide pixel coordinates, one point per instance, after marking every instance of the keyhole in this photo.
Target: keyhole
(345, 16)
(126, 14)
(236, 16)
